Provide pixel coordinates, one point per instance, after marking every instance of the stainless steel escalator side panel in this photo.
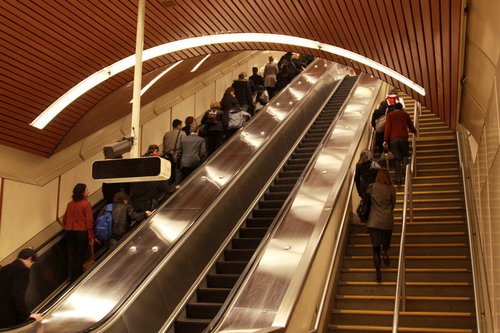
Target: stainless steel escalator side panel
(156, 263)
(199, 244)
(270, 291)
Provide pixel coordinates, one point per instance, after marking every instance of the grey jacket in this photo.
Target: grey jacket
(193, 151)
(383, 201)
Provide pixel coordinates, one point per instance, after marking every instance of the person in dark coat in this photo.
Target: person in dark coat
(366, 172)
(215, 126)
(124, 216)
(228, 101)
(381, 217)
(243, 92)
(257, 79)
(14, 279)
(379, 137)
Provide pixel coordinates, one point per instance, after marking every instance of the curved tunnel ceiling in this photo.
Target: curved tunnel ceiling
(50, 46)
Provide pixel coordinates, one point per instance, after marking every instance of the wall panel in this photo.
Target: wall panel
(26, 209)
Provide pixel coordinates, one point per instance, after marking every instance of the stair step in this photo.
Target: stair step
(406, 318)
(412, 274)
(365, 328)
(460, 261)
(413, 303)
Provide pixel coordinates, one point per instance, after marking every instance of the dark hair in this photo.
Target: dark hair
(384, 104)
(176, 123)
(78, 192)
(228, 91)
(26, 253)
(152, 148)
(120, 197)
(189, 120)
(255, 69)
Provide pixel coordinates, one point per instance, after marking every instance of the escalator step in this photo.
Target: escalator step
(281, 188)
(260, 221)
(265, 212)
(230, 267)
(276, 196)
(252, 232)
(202, 310)
(222, 280)
(238, 254)
(189, 325)
(286, 180)
(271, 204)
(290, 167)
(305, 150)
(301, 161)
(290, 173)
(212, 295)
(245, 243)
(302, 156)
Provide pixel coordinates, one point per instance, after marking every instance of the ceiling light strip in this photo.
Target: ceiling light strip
(55, 108)
(199, 63)
(159, 76)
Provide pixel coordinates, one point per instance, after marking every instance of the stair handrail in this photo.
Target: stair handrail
(411, 170)
(400, 297)
(481, 298)
(416, 120)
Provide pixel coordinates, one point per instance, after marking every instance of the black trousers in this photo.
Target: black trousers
(77, 243)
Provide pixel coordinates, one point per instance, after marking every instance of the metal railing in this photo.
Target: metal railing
(411, 170)
(416, 118)
(400, 298)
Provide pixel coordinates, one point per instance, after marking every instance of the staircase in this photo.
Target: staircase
(439, 287)
(217, 285)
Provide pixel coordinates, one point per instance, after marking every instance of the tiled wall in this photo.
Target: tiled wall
(480, 115)
(36, 190)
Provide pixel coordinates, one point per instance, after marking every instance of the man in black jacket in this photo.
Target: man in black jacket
(14, 279)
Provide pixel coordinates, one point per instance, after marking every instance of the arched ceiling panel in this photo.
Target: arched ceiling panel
(50, 46)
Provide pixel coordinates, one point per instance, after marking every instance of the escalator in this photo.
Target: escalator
(143, 271)
(217, 285)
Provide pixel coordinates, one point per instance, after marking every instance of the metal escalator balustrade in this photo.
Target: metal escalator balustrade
(143, 271)
(217, 285)
(268, 295)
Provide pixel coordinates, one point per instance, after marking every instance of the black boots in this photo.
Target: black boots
(376, 261)
(387, 261)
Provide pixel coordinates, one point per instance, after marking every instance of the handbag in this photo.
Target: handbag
(386, 155)
(363, 210)
(90, 261)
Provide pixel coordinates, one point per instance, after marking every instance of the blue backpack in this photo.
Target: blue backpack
(104, 224)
